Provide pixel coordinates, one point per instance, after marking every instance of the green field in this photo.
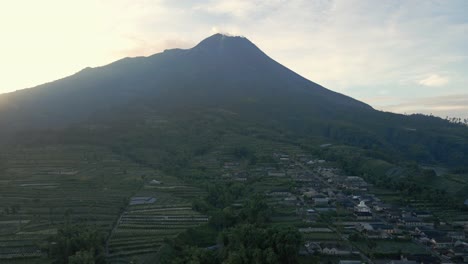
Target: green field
(41, 188)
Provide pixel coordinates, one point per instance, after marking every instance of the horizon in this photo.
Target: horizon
(410, 59)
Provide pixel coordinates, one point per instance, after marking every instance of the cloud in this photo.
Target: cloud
(239, 8)
(434, 80)
(449, 105)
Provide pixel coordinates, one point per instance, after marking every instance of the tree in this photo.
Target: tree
(248, 243)
(256, 211)
(194, 255)
(78, 243)
(82, 257)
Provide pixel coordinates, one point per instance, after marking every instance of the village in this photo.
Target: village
(343, 220)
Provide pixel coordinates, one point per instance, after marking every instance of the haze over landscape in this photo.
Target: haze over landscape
(149, 137)
(399, 56)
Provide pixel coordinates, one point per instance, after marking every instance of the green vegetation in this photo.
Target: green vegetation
(407, 178)
(203, 201)
(245, 237)
(77, 244)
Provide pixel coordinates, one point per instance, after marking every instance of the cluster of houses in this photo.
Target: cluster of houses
(320, 188)
(375, 219)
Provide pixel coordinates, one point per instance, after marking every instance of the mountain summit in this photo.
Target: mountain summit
(218, 41)
(220, 44)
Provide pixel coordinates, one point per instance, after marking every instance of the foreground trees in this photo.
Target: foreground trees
(77, 244)
(245, 235)
(243, 244)
(251, 244)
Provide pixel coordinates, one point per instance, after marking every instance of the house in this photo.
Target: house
(402, 262)
(389, 229)
(303, 179)
(155, 182)
(345, 202)
(329, 192)
(443, 242)
(311, 162)
(231, 165)
(376, 234)
(394, 214)
(362, 208)
(280, 192)
(456, 234)
(460, 249)
(380, 207)
(364, 227)
(423, 258)
(309, 193)
(336, 249)
(142, 200)
(313, 247)
(422, 214)
(439, 239)
(370, 198)
(407, 213)
(355, 183)
(321, 201)
(363, 215)
(412, 221)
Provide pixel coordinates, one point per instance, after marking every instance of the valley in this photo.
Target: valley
(141, 209)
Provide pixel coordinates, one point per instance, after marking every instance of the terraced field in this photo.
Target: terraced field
(41, 187)
(450, 215)
(139, 207)
(142, 228)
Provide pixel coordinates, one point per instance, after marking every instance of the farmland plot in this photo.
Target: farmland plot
(41, 187)
(142, 228)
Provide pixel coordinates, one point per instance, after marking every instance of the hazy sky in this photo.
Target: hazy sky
(402, 56)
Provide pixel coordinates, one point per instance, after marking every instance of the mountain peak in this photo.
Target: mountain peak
(220, 42)
(222, 37)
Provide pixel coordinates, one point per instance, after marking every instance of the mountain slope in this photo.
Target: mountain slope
(218, 70)
(229, 74)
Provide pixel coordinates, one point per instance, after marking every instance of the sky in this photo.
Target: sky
(408, 56)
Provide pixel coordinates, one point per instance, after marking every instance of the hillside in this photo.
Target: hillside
(228, 74)
(220, 71)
